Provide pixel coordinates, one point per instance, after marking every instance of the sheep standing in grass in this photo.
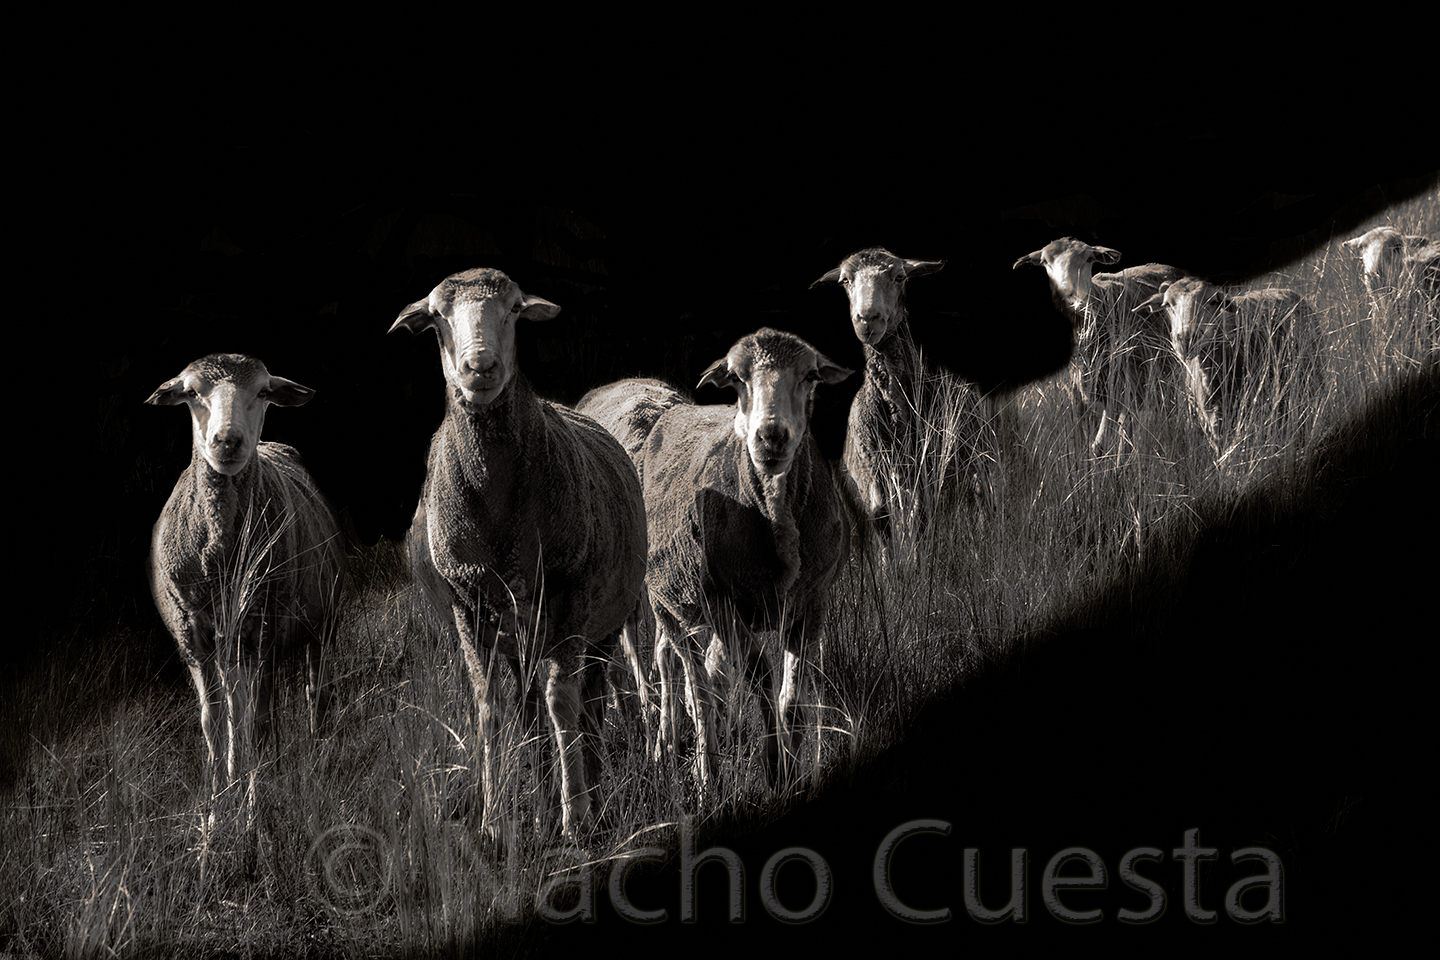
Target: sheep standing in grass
(530, 532)
(1401, 273)
(747, 527)
(1239, 352)
(882, 452)
(1121, 358)
(1386, 261)
(246, 562)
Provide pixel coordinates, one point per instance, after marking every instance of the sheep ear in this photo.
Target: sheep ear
(416, 318)
(1034, 259)
(535, 308)
(169, 392)
(918, 268)
(287, 393)
(1107, 254)
(1155, 302)
(831, 276)
(830, 371)
(718, 374)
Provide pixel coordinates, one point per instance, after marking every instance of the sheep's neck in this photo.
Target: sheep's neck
(488, 440)
(892, 368)
(774, 495)
(223, 502)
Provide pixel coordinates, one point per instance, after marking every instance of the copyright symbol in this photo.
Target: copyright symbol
(348, 867)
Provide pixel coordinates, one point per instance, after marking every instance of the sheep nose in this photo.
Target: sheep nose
(869, 329)
(482, 366)
(772, 433)
(228, 439)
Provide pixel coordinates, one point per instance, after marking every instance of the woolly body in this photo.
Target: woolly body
(245, 546)
(747, 527)
(530, 531)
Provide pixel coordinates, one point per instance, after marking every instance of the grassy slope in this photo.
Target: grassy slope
(1110, 647)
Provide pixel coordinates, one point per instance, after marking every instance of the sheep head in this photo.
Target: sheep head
(1189, 303)
(874, 280)
(1382, 250)
(474, 313)
(1070, 263)
(227, 394)
(774, 373)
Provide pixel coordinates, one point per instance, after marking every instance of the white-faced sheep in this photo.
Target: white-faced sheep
(246, 562)
(1121, 358)
(1239, 352)
(1401, 273)
(883, 472)
(1383, 253)
(747, 527)
(530, 526)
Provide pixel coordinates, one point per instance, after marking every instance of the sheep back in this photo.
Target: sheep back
(628, 409)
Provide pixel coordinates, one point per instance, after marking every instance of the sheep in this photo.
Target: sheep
(881, 469)
(747, 527)
(1233, 347)
(1423, 263)
(530, 524)
(1401, 273)
(1387, 259)
(627, 409)
(246, 562)
(1120, 358)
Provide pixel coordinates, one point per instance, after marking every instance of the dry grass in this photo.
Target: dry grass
(368, 837)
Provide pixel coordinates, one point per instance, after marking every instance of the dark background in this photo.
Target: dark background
(288, 199)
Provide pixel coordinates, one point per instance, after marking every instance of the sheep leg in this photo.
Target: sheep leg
(630, 644)
(211, 696)
(665, 733)
(485, 721)
(758, 672)
(565, 703)
(700, 704)
(319, 687)
(787, 703)
(666, 629)
(592, 716)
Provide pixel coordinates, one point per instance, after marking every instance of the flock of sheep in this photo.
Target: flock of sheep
(718, 524)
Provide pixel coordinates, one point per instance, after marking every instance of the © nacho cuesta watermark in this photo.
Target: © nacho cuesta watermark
(1072, 871)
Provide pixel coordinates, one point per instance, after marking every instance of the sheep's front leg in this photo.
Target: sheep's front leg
(789, 730)
(485, 721)
(699, 699)
(564, 701)
(666, 736)
(630, 644)
(210, 691)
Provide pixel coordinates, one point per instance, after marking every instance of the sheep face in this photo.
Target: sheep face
(227, 395)
(1070, 264)
(874, 280)
(775, 374)
(474, 314)
(1381, 251)
(1190, 304)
